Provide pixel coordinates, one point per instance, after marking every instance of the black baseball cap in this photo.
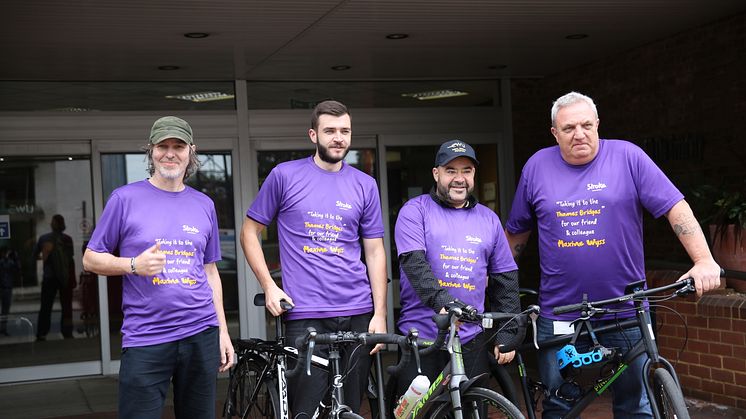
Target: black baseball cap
(452, 149)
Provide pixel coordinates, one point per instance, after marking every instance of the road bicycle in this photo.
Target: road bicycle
(334, 406)
(659, 377)
(452, 394)
(258, 385)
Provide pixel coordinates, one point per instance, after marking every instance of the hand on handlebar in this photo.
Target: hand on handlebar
(377, 325)
(274, 298)
(706, 276)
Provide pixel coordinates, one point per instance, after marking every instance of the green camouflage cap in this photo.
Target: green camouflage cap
(171, 127)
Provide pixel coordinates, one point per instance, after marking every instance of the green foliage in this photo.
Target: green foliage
(721, 207)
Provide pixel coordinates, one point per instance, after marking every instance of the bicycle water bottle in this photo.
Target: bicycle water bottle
(414, 393)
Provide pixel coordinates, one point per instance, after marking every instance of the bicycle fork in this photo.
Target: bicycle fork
(282, 389)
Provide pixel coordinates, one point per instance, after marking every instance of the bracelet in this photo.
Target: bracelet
(132, 266)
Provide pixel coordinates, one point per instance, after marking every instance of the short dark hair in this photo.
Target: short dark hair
(327, 107)
(58, 223)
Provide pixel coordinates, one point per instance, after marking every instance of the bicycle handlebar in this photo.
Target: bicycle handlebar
(458, 311)
(683, 287)
(307, 342)
(260, 301)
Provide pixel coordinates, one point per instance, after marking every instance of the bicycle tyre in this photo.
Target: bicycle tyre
(480, 403)
(668, 396)
(242, 385)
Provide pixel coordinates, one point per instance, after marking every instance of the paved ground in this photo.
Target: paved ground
(96, 398)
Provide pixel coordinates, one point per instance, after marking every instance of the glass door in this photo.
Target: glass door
(47, 303)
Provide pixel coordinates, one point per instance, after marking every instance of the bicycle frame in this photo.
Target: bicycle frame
(456, 370)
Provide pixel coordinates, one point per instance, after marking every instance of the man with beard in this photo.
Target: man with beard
(323, 208)
(451, 247)
(162, 236)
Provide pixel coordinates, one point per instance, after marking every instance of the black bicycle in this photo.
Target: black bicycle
(659, 377)
(258, 382)
(452, 394)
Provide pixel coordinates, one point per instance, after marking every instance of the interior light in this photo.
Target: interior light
(435, 94)
(196, 35)
(70, 159)
(341, 67)
(202, 96)
(397, 36)
(71, 109)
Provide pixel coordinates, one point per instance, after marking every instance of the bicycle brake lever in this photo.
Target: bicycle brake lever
(412, 342)
(311, 346)
(534, 316)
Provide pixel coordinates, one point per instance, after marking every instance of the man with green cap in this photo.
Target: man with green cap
(162, 237)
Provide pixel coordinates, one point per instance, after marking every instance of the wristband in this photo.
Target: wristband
(132, 266)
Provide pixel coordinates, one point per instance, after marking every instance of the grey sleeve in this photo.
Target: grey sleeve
(425, 285)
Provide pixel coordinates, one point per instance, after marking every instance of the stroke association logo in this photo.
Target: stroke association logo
(473, 239)
(596, 187)
(189, 229)
(343, 205)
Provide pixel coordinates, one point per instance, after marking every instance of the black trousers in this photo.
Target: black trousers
(49, 288)
(306, 392)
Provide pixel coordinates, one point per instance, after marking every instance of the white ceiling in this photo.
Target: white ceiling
(301, 40)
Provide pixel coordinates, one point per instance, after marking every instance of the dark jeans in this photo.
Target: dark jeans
(306, 392)
(49, 288)
(475, 354)
(629, 397)
(190, 363)
(6, 296)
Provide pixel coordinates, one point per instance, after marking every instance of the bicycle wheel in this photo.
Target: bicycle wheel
(480, 403)
(349, 415)
(248, 396)
(668, 396)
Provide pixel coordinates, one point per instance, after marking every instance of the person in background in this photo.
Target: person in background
(10, 267)
(55, 249)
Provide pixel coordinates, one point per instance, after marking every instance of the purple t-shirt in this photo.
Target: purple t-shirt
(178, 302)
(462, 247)
(321, 217)
(589, 220)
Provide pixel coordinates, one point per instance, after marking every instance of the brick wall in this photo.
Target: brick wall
(712, 364)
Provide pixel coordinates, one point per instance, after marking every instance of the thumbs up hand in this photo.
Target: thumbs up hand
(151, 261)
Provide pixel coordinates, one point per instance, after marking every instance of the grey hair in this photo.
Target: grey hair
(191, 168)
(571, 99)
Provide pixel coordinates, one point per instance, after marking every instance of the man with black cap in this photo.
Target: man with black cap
(451, 247)
(162, 237)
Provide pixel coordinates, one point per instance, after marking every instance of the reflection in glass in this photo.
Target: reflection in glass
(33, 191)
